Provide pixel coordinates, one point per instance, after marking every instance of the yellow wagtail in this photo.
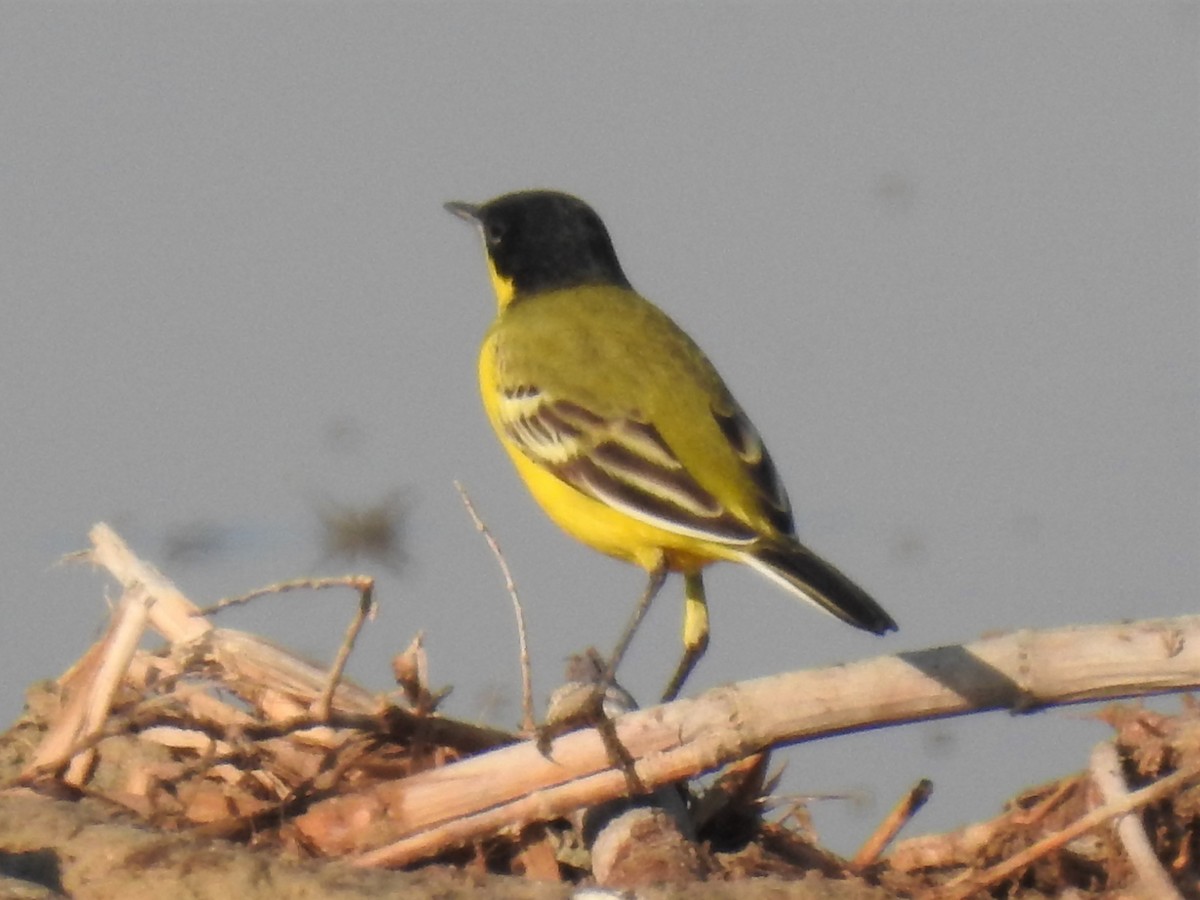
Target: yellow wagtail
(622, 429)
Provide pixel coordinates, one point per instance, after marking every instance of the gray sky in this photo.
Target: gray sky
(944, 253)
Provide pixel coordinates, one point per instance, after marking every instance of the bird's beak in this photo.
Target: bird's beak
(467, 211)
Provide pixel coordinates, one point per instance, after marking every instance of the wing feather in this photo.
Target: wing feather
(746, 442)
(623, 462)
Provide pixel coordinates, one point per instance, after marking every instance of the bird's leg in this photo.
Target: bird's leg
(695, 633)
(583, 702)
(657, 576)
(618, 756)
(591, 710)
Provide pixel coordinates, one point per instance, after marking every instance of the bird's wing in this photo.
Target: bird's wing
(625, 463)
(745, 441)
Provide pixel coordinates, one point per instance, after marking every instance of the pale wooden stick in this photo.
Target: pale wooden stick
(1105, 769)
(242, 656)
(971, 883)
(280, 684)
(130, 624)
(93, 690)
(528, 722)
(173, 615)
(516, 785)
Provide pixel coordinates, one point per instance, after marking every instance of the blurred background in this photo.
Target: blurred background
(945, 254)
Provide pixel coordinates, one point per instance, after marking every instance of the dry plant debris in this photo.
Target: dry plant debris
(224, 735)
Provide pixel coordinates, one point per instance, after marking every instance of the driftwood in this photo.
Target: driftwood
(516, 785)
(302, 732)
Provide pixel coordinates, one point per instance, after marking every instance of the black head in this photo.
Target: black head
(544, 240)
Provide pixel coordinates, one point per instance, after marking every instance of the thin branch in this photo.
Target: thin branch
(899, 816)
(364, 585)
(366, 609)
(282, 587)
(962, 846)
(528, 721)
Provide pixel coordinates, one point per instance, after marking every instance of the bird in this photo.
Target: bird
(621, 428)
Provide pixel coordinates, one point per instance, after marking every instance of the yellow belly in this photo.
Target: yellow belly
(609, 530)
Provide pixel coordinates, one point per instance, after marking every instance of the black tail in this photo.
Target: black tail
(805, 574)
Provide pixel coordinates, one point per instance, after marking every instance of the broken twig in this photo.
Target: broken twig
(528, 722)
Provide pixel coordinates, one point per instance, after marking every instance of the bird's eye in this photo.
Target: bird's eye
(493, 233)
